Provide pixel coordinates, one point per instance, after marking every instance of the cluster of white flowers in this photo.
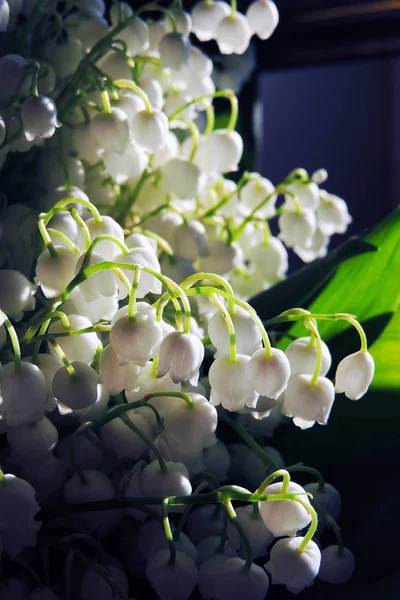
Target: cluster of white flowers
(136, 261)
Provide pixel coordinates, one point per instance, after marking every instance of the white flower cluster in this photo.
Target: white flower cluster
(138, 138)
(139, 264)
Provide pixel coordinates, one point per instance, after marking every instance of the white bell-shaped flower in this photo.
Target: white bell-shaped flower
(206, 17)
(176, 267)
(296, 570)
(39, 117)
(147, 282)
(16, 293)
(90, 31)
(284, 517)
(99, 284)
(229, 385)
(154, 91)
(205, 521)
(217, 460)
(174, 49)
(66, 55)
(183, 21)
(263, 18)
(248, 336)
(94, 585)
(115, 376)
(4, 15)
(150, 129)
(136, 37)
(81, 347)
(12, 70)
(23, 394)
(18, 507)
(131, 104)
(118, 9)
(175, 482)
(54, 273)
(136, 339)
(332, 215)
(97, 486)
(329, 499)
(125, 166)
(151, 539)
(354, 374)
(233, 34)
(190, 240)
(336, 567)
(181, 178)
(297, 229)
(209, 547)
(149, 383)
(87, 454)
(85, 144)
(317, 248)
(268, 375)
(308, 403)
(107, 226)
(181, 355)
(225, 578)
(254, 192)
(140, 240)
(172, 582)
(220, 152)
(111, 130)
(192, 427)
(179, 454)
(270, 259)
(79, 391)
(117, 436)
(170, 149)
(257, 532)
(307, 195)
(33, 441)
(302, 355)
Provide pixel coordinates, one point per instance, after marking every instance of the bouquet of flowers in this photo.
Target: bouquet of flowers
(130, 336)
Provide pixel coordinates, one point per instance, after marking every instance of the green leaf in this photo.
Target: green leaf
(299, 289)
(365, 286)
(386, 353)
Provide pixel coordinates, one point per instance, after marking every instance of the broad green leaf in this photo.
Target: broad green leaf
(365, 286)
(386, 353)
(299, 289)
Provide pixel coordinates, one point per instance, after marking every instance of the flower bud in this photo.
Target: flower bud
(333, 215)
(176, 580)
(107, 226)
(152, 538)
(263, 17)
(205, 521)
(284, 517)
(136, 37)
(354, 374)
(175, 482)
(220, 152)
(270, 259)
(117, 436)
(209, 547)
(54, 273)
(296, 570)
(307, 195)
(268, 374)
(336, 567)
(39, 117)
(144, 257)
(329, 499)
(181, 355)
(181, 178)
(308, 403)
(257, 532)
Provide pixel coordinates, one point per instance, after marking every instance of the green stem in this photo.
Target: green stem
(168, 533)
(181, 395)
(61, 236)
(125, 83)
(235, 521)
(132, 298)
(148, 442)
(279, 473)
(229, 324)
(312, 471)
(106, 102)
(313, 526)
(46, 238)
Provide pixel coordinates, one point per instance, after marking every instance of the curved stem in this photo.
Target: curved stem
(150, 444)
(279, 473)
(14, 340)
(125, 83)
(229, 324)
(46, 238)
(235, 521)
(168, 532)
